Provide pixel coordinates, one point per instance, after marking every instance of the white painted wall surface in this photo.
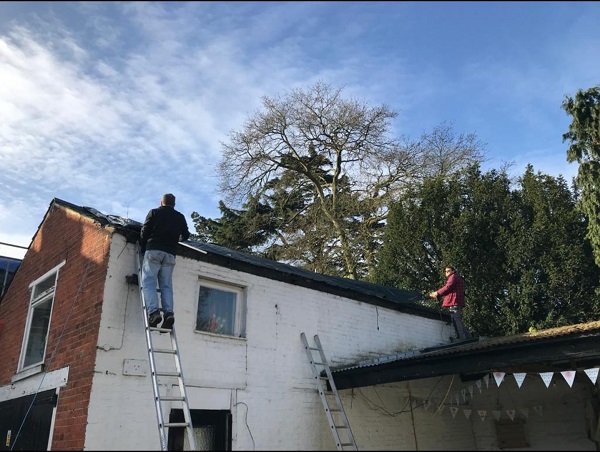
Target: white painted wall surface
(265, 379)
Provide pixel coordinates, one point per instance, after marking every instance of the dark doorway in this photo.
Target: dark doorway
(34, 433)
(212, 428)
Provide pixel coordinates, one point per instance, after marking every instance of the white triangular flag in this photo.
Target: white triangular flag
(547, 377)
(467, 413)
(569, 376)
(511, 414)
(593, 374)
(478, 383)
(471, 390)
(497, 414)
(499, 376)
(482, 414)
(538, 409)
(456, 396)
(486, 378)
(525, 412)
(519, 377)
(454, 410)
(463, 392)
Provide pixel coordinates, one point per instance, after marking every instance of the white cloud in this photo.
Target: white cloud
(112, 104)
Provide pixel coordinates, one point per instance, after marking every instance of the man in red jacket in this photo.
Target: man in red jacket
(454, 299)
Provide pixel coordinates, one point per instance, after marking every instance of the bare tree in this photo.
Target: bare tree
(341, 151)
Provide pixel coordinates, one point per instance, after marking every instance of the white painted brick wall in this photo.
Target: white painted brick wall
(266, 381)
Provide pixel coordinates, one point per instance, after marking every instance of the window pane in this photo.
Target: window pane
(8, 267)
(205, 438)
(44, 285)
(216, 311)
(36, 343)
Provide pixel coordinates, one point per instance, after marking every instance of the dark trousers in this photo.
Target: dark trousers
(459, 326)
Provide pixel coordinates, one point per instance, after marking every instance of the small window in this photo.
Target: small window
(38, 319)
(220, 309)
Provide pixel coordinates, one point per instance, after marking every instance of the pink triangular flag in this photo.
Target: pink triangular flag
(569, 376)
(497, 414)
(499, 376)
(486, 378)
(478, 383)
(519, 377)
(525, 412)
(467, 413)
(454, 410)
(538, 409)
(511, 414)
(547, 377)
(482, 414)
(593, 374)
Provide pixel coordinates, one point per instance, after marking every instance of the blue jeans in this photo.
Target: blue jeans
(459, 326)
(158, 265)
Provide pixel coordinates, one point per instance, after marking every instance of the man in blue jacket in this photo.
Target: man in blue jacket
(162, 230)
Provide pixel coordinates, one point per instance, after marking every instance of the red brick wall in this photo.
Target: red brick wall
(84, 245)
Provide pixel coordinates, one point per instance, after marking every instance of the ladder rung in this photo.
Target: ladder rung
(347, 444)
(340, 426)
(176, 424)
(172, 399)
(165, 350)
(162, 330)
(168, 374)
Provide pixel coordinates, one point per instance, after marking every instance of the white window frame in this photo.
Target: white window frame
(35, 301)
(239, 328)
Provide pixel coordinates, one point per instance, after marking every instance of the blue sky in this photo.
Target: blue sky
(112, 104)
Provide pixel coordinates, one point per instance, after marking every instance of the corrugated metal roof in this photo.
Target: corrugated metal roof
(481, 344)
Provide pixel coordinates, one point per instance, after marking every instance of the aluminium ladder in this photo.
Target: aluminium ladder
(336, 416)
(178, 373)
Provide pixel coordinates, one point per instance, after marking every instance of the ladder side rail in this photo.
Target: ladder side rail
(334, 391)
(150, 350)
(321, 388)
(183, 391)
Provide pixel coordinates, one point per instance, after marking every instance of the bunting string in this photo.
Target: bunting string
(467, 393)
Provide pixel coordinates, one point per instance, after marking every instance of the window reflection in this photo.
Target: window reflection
(216, 311)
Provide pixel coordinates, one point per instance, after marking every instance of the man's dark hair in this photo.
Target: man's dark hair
(169, 199)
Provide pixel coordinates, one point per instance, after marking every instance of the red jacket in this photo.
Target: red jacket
(453, 292)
